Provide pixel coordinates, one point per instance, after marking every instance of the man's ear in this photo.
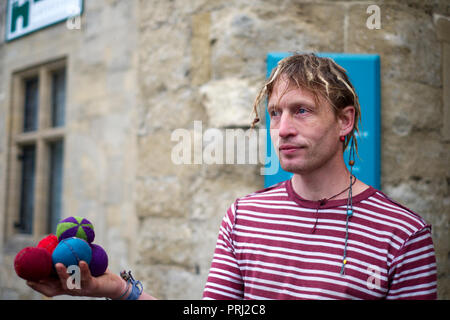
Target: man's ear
(346, 119)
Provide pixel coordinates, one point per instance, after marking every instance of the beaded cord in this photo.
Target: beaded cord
(349, 211)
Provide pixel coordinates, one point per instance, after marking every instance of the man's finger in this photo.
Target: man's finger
(61, 270)
(84, 269)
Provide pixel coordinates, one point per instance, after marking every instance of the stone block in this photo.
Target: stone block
(408, 106)
(201, 48)
(170, 110)
(165, 241)
(420, 154)
(228, 102)
(171, 282)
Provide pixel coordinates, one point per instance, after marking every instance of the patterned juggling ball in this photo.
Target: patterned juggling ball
(75, 227)
(71, 251)
(49, 243)
(99, 261)
(33, 264)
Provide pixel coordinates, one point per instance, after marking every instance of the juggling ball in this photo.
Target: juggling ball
(33, 264)
(71, 251)
(49, 243)
(75, 227)
(99, 261)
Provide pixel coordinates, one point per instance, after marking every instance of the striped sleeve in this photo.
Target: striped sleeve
(413, 273)
(224, 280)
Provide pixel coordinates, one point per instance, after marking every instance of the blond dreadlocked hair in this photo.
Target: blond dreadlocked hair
(323, 77)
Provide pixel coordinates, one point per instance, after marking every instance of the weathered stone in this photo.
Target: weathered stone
(408, 106)
(228, 102)
(165, 241)
(170, 110)
(420, 154)
(201, 48)
(172, 282)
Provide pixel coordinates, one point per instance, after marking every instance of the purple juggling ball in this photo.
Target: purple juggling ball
(99, 261)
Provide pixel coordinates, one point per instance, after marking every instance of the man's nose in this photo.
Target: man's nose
(286, 126)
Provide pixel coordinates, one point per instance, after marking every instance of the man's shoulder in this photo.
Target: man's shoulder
(275, 191)
(394, 212)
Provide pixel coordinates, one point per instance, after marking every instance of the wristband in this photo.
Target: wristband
(136, 286)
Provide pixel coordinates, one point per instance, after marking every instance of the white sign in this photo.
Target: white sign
(26, 16)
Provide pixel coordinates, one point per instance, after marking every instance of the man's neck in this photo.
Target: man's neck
(323, 183)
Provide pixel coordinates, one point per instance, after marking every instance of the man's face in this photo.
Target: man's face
(305, 135)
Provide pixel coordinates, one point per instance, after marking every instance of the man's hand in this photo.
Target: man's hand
(107, 285)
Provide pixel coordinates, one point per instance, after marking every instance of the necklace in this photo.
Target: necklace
(321, 202)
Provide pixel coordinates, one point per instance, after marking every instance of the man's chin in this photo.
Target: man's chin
(291, 167)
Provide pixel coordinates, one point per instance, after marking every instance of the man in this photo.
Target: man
(318, 235)
(322, 234)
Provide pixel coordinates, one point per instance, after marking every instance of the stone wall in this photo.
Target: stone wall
(138, 70)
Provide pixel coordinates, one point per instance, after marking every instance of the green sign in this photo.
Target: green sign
(26, 16)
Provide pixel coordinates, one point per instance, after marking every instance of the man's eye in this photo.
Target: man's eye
(301, 110)
(274, 113)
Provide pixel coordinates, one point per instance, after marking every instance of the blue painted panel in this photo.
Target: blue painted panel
(364, 73)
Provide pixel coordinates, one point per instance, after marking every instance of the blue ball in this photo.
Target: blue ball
(71, 251)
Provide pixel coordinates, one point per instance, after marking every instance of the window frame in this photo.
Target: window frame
(42, 137)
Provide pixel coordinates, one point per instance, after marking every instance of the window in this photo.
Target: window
(36, 159)
(31, 105)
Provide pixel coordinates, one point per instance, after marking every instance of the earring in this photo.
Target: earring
(342, 138)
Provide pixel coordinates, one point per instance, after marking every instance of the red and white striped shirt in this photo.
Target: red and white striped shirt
(267, 249)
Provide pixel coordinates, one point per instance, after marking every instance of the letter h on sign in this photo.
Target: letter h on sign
(20, 11)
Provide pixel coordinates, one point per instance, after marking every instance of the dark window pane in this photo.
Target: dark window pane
(58, 98)
(25, 224)
(31, 105)
(56, 184)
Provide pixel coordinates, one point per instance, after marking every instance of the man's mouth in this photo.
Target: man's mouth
(289, 148)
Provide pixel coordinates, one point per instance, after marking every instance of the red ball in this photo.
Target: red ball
(49, 243)
(33, 264)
